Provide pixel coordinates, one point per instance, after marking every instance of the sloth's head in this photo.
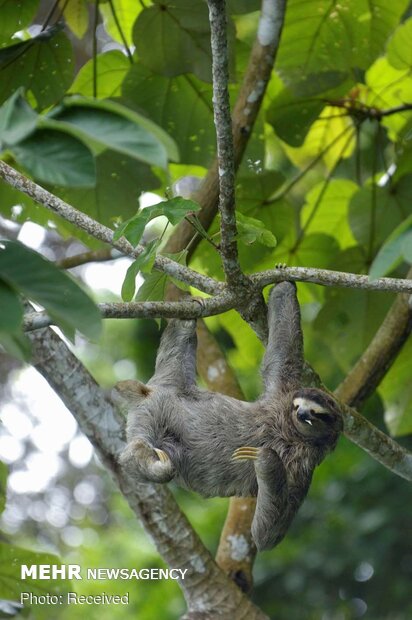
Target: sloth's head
(316, 415)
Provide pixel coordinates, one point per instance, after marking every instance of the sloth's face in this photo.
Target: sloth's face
(316, 414)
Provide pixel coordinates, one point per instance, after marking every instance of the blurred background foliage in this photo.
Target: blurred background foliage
(104, 102)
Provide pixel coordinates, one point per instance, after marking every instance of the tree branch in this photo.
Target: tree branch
(326, 277)
(98, 231)
(205, 586)
(224, 139)
(92, 256)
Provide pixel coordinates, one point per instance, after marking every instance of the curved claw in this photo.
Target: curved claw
(281, 266)
(245, 453)
(163, 457)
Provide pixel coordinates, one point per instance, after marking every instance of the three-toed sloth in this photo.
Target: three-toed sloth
(219, 446)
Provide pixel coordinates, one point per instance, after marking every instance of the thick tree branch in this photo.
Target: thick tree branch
(378, 445)
(102, 233)
(206, 588)
(224, 140)
(245, 112)
(372, 366)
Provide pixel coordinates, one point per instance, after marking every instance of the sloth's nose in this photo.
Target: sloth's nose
(303, 414)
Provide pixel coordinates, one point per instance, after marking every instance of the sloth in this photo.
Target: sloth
(220, 446)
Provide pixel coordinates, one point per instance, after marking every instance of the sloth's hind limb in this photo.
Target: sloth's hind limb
(146, 463)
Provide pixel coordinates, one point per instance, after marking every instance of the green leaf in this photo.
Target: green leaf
(43, 65)
(111, 125)
(173, 37)
(154, 285)
(335, 36)
(396, 390)
(17, 120)
(391, 253)
(58, 158)
(182, 106)
(111, 69)
(251, 230)
(143, 263)
(375, 213)
(175, 210)
(11, 583)
(15, 16)
(3, 485)
(76, 16)
(11, 309)
(119, 182)
(326, 211)
(38, 279)
(126, 14)
(399, 50)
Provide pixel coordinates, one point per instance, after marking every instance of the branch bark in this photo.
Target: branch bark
(224, 140)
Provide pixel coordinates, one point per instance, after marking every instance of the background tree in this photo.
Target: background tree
(322, 158)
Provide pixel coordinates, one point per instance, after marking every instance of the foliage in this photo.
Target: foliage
(325, 182)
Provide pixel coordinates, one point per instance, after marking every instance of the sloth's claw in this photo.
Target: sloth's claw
(245, 453)
(163, 457)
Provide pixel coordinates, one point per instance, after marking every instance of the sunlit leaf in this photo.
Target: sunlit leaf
(111, 68)
(76, 16)
(326, 210)
(126, 12)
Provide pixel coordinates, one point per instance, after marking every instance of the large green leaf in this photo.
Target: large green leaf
(76, 16)
(399, 50)
(111, 68)
(349, 319)
(173, 37)
(251, 230)
(126, 12)
(11, 583)
(143, 263)
(375, 212)
(15, 16)
(326, 210)
(88, 118)
(42, 65)
(395, 249)
(17, 120)
(56, 157)
(181, 105)
(38, 279)
(338, 36)
(119, 182)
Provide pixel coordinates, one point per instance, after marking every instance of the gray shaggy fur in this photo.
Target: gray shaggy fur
(199, 431)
